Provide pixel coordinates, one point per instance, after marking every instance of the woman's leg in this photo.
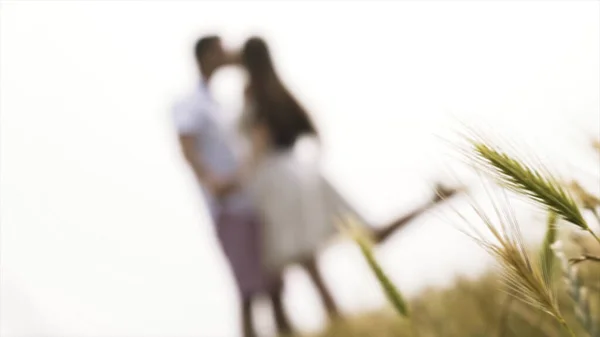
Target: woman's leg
(382, 234)
(282, 322)
(315, 275)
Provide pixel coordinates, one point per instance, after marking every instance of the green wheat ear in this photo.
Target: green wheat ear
(357, 233)
(547, 257)
(520, 178)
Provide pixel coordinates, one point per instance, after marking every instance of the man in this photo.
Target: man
(210, 152)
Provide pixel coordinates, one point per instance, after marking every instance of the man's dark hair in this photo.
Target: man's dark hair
(204, 44)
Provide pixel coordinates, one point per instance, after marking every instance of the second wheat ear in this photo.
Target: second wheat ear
(528, 279)
(540, 187)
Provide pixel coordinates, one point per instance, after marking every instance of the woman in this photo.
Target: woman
(289, 192)
(296, 203)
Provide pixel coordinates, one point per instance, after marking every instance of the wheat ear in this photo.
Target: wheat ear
(518, 177)
(525, 278)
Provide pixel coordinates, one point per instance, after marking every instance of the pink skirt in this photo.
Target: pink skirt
(239, 232)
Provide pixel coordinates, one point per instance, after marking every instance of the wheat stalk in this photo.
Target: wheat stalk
(351, 227)
(518, 177)
(546, 253)
(525, 279)
(585, 257)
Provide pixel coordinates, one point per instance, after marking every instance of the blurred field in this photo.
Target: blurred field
(470, 308)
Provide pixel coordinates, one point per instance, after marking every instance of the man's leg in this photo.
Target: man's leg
(247, 324)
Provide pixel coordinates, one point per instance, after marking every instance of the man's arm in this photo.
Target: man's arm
(192, 155)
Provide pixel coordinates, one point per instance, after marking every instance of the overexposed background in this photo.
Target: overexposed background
(102, 229)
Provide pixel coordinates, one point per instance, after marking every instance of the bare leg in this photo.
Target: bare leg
(382, 234)
(281, 320)
(248, 326)
(326, 298)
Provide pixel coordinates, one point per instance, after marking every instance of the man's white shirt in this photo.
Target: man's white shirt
(199, 115)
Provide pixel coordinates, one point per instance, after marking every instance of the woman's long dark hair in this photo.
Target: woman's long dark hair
(275, 106)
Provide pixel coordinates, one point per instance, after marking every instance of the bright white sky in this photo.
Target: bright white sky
(102, 232)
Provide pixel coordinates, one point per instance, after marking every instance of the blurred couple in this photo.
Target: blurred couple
(270, 209)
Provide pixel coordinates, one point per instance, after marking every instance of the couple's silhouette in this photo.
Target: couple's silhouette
(270, 209)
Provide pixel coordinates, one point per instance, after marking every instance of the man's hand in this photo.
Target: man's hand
(221, 188)
(217, 187)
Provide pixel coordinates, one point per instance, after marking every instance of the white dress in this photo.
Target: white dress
(298, 206)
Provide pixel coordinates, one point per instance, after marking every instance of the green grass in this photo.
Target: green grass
(471, 308)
